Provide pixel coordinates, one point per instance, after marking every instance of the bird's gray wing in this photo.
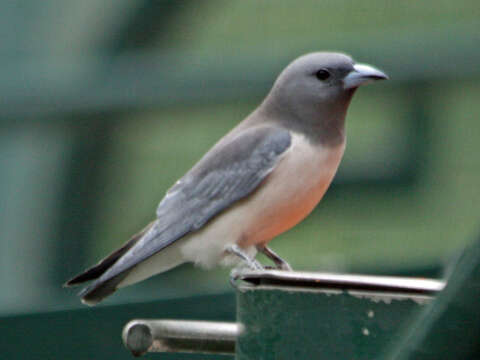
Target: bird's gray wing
(226, 174)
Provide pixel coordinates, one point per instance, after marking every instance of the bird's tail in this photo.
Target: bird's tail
(92, 296)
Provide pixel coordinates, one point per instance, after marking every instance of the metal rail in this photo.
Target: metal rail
(142, 336)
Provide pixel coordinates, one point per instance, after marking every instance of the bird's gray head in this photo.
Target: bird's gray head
(312, 94)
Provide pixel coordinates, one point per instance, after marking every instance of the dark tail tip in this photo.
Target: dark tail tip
(100, 289)
(98, 270)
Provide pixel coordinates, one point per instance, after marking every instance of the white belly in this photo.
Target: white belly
(286, 197)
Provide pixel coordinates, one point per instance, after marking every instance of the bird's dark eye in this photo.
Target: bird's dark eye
(322, 74)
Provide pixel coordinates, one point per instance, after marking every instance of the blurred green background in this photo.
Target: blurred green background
(104, 104)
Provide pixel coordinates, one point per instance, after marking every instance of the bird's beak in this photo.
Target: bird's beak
(362, 74)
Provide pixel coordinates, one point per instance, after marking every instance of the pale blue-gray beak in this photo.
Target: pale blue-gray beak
(362, 74)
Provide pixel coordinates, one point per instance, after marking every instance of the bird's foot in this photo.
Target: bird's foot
(285, 266)
(272, 255)
(251, 263)
(234, 276)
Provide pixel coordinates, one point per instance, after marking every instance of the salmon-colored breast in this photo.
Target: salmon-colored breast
(292, 191)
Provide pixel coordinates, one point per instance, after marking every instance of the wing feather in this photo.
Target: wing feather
(225, 175)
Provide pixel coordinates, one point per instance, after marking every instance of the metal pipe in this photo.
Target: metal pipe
(142, 336)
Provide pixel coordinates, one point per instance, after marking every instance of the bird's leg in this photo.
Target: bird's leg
(253, 264)
(234, 249)
(272, 255)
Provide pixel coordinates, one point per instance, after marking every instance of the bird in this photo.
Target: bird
(259, 180)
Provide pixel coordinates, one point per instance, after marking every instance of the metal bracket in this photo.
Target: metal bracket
(142, 336)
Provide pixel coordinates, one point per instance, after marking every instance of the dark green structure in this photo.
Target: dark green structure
(285, 315)
(318, 322)
(95, 333)
(450, 327)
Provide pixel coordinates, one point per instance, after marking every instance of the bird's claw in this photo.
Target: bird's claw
(246, 260)
(284, 266)
(280, 264)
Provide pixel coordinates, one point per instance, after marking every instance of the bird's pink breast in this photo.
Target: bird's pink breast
(291, 191)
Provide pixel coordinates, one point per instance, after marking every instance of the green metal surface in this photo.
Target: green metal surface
(449, 328)
(95, 333)
(282, 323)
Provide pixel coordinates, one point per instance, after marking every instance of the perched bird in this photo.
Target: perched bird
(259, 180)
